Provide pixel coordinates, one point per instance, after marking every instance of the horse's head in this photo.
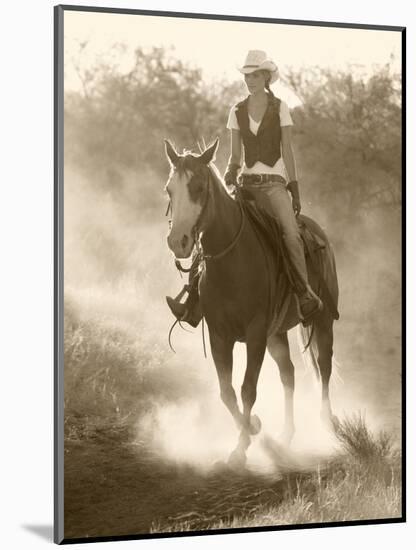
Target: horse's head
(188, 190)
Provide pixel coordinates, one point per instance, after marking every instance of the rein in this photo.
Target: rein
(200, 252)
(197, 232)
(230, 246)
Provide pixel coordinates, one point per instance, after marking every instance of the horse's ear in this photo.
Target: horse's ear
(170, 152)
(209, 154)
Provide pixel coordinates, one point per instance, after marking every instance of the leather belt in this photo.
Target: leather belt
(259, 178)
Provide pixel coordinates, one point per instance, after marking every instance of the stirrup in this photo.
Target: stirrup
(182, 311)
(178, 298)
(306, 320)
(177, 308)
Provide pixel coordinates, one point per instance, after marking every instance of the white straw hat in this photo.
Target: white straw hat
(257, 60)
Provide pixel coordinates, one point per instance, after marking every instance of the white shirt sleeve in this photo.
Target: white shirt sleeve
(232, 122)
(285, 117)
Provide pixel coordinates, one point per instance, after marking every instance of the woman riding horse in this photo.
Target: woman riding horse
(262, 124)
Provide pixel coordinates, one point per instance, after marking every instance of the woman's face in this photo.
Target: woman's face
(255, 81)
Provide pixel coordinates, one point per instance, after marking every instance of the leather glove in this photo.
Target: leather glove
(293, 188)
(230, 175)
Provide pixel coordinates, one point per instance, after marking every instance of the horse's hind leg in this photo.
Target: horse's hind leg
(324, 340)
(222, 353)
(278, 347)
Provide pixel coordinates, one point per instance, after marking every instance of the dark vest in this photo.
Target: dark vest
(265, 146)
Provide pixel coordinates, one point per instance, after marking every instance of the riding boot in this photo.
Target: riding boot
(189, 311)
(309, 304)
(177, 307)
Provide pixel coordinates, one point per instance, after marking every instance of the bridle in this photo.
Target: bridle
(196, 230)
(200, 256)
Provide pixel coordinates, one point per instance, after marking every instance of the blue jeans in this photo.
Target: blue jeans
(275, 199)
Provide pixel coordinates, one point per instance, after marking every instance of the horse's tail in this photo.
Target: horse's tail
(309, 347)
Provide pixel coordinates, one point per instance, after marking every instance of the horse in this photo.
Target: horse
(235, 291)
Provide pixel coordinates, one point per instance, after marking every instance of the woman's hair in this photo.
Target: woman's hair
(268, 76)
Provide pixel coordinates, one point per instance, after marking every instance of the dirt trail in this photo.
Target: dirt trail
(114, 488)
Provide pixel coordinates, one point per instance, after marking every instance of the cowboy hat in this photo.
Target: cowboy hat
(257, 60)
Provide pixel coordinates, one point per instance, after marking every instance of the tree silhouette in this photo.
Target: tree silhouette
(347, 132)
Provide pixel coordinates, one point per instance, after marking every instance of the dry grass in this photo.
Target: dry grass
(113, 376)
(361, 482)
(360, 443)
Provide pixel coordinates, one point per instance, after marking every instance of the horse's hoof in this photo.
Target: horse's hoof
(237, 460)
(255, 425)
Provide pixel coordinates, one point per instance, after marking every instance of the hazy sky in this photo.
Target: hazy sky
(218, 47)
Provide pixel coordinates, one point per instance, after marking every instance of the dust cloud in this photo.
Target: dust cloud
(118, 270)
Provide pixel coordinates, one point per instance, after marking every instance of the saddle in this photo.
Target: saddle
(311, 240)
(314, 242)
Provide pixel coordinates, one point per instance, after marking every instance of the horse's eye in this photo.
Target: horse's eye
(196, 187)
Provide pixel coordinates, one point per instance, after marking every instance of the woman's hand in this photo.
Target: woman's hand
(289, 161)
(296, 206)
(231, 172)
(293, 188)
(230, 175)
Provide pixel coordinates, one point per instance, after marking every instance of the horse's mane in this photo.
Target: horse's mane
(217, 176)
(188, 163)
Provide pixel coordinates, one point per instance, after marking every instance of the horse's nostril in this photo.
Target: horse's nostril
(184, 241)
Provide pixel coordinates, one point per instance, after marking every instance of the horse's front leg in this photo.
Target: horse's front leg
(251, 425)
(222, 353)
(278, 346)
